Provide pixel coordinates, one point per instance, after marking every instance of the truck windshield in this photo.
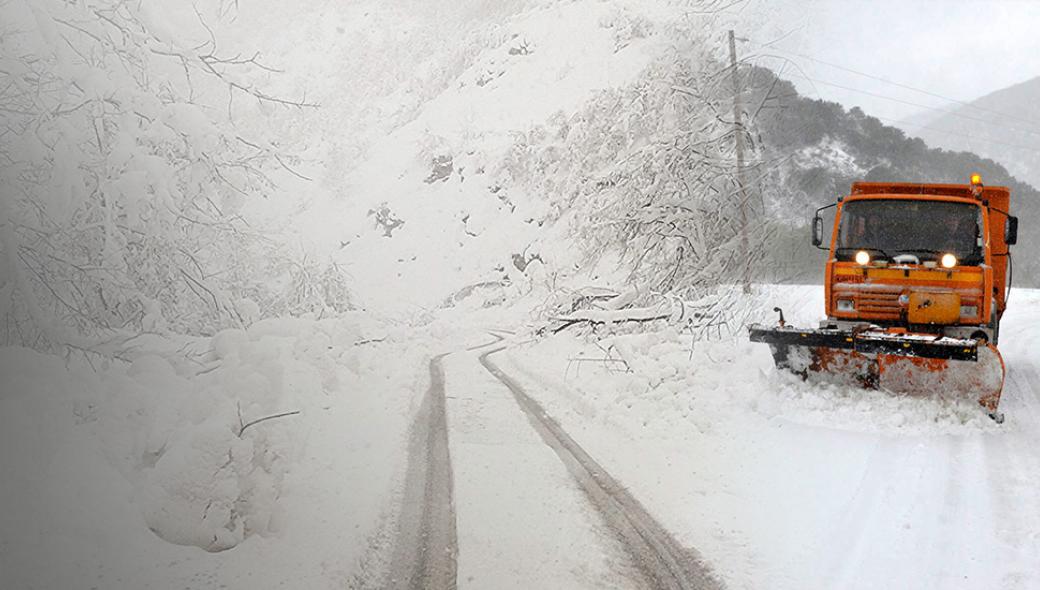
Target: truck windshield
(926, 229)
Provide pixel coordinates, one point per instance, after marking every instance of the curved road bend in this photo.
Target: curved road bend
(426, 553)
(663, 560)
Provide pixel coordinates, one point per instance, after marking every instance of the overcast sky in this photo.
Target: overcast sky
(961, 49)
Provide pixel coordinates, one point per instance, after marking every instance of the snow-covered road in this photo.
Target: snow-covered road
(786, 485)
(516, 503)
(530, 467)
(663, 561)
(426, 548)
(523, 523)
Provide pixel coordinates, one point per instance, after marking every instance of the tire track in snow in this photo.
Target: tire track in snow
(1020, 505)
(663, 561)
(426, 549)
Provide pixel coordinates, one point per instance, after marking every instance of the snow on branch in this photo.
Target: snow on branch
(602, 316)
(710, 314)
(648, 176)
(124, 189)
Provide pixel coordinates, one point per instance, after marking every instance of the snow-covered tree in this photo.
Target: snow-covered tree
(123, 180)
(648, 171)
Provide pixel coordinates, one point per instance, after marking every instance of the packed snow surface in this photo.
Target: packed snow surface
(141, 474)
(784, 484)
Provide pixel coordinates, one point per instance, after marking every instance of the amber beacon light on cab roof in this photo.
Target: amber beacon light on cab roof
(915, 284)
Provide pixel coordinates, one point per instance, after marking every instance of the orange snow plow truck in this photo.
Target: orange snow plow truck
(915, 284)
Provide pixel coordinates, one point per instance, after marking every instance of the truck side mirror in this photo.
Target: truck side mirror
(817, 230)
(1011, 231)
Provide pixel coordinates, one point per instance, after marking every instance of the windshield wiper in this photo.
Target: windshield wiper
(974, 251)
(926, 250)
(973, 258)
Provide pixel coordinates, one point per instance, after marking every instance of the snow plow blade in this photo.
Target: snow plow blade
(900, 362)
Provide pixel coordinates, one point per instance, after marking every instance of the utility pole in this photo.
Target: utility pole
(738, 133)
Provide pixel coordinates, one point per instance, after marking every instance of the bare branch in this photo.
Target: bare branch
(242, 430)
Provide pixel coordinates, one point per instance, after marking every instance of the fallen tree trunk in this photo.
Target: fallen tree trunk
(611, 316)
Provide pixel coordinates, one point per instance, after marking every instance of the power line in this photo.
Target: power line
(944, 111)
(897, 84)
(1033, 149)
(900, 85)
(966, 136)
(914, 104)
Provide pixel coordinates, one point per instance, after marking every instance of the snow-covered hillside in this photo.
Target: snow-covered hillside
(440, 175)
(425, 126)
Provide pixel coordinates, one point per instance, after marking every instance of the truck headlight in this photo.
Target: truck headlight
(848, 305)
(862, 258)
(949, 260)
(969, 311)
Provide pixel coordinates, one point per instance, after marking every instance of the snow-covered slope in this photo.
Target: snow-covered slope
(129, 468)
(428, 208)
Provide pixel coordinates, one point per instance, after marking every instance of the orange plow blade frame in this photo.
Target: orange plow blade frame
(982, 380)
(970, 369)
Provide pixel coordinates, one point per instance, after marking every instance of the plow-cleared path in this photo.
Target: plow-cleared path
(960, 510)
(572, 474)
(661, 559)
(781, 485)
(954, 511)
(497, 495)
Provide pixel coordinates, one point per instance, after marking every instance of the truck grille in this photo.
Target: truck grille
(881, 305)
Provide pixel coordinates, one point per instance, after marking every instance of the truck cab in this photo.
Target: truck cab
(929, 258)
(915, 284)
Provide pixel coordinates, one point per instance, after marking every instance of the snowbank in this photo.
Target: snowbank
(125, 472)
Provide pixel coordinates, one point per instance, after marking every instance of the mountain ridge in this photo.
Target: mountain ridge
(1000, 125)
